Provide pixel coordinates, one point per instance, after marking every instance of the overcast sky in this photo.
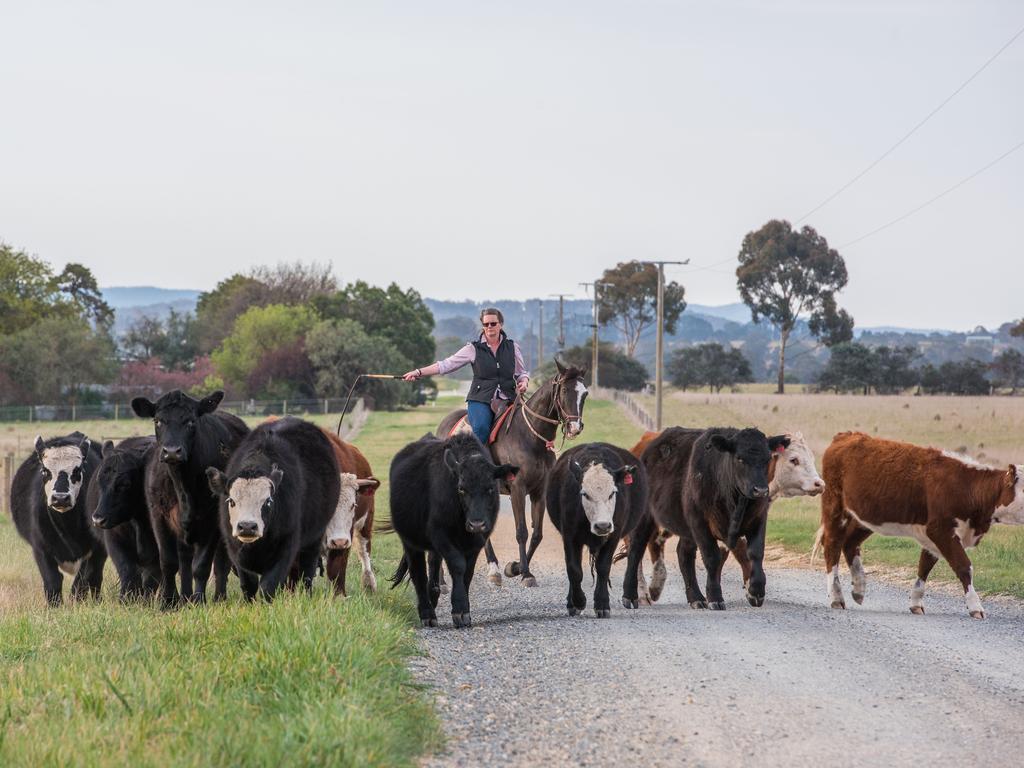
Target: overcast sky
(517, 148)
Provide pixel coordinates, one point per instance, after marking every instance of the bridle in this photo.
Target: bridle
(563, 416)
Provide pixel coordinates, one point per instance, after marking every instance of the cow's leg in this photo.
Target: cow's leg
(221, 569)
(126, 564)
(631, 581)
(686, 554)
(659, 573)
(519, 567)
(250, 583)
(754, 554)
(434, 578)
(602, 606)
(925, 564)
(308, 559)
(167, 547)
(576, 599)
(363, 542)
(95, 574)
(742, 555)
(337, 566)
(53, 580)
(185, 570)
(949, 546)
(273, 578)
(836, 526)
(493, 568)
(202, 564)
(417, 562)
(851, 551)
(712, 558)
(457, 565)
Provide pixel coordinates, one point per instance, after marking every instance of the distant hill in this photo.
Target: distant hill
(147, 295)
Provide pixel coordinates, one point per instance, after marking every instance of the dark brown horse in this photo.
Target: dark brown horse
(527, 440)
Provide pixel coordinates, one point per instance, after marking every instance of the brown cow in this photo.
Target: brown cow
(943, 500)
(353, 518)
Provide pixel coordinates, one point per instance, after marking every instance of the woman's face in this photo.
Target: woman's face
(492, 327)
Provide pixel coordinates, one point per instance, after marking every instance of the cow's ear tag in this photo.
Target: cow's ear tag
(628, 479)
(511, 477)
(780, 448)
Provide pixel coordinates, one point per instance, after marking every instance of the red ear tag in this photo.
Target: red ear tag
(780, 448)
(510, 477)
(628, 479)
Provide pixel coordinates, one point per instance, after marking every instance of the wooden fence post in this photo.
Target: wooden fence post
(8, 478)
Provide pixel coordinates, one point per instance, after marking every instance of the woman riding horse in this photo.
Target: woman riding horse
(498, 372)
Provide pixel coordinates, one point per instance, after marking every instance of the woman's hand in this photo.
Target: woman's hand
(412, 375)
(523, 384)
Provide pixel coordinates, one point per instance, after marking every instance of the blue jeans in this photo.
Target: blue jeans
(480, 417)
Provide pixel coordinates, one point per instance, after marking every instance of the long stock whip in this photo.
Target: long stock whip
(353, 389)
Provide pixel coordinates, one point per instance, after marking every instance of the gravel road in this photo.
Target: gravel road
(792, 683)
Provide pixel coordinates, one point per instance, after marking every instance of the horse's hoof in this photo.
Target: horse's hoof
(529, 581)
(369, 583)
(858, 598)
(716, 606)
(444, 589)
(631, 604)
(495, 579)
(977, 614)
(839, 604)
(512, 568)
(573, 610)
(917, 610)
(603, 613)
(699, 604)
(755, 601)
(462, 620)
(646, 601)
(428, 622)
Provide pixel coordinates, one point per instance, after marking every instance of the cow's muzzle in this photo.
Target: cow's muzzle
(172, 454)
(339, 542)
(61, 502)
(476, 526)
(602, 529)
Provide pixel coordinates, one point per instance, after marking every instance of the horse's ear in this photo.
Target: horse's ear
(561, 368)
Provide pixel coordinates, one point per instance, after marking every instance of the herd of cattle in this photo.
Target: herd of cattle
(207, 494)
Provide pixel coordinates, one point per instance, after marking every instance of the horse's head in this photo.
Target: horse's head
(570, 394)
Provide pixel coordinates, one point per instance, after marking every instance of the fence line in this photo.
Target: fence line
(635, 409)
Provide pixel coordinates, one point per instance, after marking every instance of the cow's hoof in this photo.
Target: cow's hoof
(603, 613)
(716, 606)
(512, 569)
(754, 600)
(655, 594)
(428, 622)
(917, 610)
(977, 614)
(462, 620)
(839, 604)
(219, 597)
(858, 597)
(529, 581)
(574, 611)
(495, 578)
(632, 604)
(700, 604)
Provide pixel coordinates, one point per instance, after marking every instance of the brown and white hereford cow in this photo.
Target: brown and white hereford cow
(945, 501)
(790, 473)
(353, 519)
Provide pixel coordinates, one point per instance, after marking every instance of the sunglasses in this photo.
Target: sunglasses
(491, 325)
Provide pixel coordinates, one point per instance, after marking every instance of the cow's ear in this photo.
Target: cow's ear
(143, 407)
(108, 448)
(507, 471)
(40, 447)
(665, 450)
(577, 470)
(217, 481)
(1011, 475)
(450, 461)
(367, 485)
(722, 443)
(276, 475)
(209, 403)
(778, 443)
(84, 447)
(624, 474)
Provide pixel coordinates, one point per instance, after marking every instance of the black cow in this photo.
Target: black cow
(277, 495)
(191, 435)
(723, 495)
(50, 513)
(444, 501)
(595, 496)
(117, 504)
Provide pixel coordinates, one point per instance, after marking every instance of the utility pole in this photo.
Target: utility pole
(659, 347)
(593, 355)
(540, 337)
(561, 318)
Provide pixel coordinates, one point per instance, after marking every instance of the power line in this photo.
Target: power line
(912, 131)
(910, 213)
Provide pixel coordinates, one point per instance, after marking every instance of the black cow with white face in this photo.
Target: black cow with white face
(277, 495)
(444, 502)
(50, 513)
(117, 506)
(191, 435)
(596, 494)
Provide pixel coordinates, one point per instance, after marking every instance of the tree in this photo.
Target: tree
(400, 317)
(851, 368)
(709, 364)
(892, 369)
(78, 284)
(283, 372)
(1018, 329)
(340, 350)
(617, 371)
(629, 301)
(965, 377)
(295, 282)
(257, 332)
(1008, 370)
(685, 368)
(144, 338)
(785, 273)
(217, 310)
(152, 378)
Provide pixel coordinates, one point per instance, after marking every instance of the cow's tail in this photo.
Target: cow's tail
(623, 552)
(818, 538)
(401, 573)
(383, 526)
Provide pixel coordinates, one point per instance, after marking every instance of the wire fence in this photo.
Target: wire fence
(636, 410)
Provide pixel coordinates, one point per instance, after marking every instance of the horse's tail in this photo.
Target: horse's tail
(623, 552)
(401, 573)
(818, 538)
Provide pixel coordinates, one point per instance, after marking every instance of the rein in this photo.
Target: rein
(563, 417)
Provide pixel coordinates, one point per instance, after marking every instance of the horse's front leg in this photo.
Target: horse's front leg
(493, 567)
(537, 506)
(520, 567)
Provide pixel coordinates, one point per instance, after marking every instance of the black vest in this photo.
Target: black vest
(491, 371)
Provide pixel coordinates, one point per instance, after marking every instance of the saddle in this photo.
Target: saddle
(462, 425)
